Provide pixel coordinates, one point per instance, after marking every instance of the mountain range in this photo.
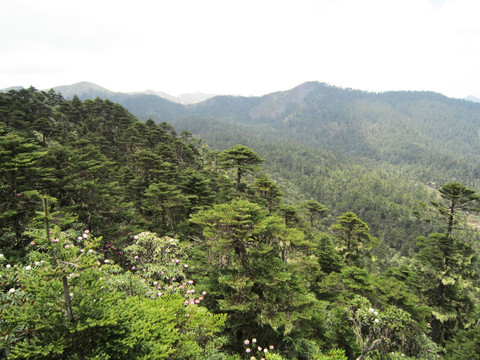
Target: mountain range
(87, 90)
(426, 135)
(375, 154)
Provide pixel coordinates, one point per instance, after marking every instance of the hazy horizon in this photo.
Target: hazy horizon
(247, 47)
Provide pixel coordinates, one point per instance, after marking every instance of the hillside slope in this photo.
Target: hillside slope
(427, 136)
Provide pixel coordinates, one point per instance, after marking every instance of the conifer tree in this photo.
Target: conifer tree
(457, 198)
(268, 191)
(315, 210)
(23, 173)
(448, 269)
(353, 235)
(243, 246)
(242, 158)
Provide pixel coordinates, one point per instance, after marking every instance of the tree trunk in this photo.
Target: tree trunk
(450, 220)
(370, 348)
(66, 295)
(66, 287)
(284, 254)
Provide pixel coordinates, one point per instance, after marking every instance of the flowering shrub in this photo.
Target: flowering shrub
(158, 258)
(69, 301)
(380, 331)
(255, 351)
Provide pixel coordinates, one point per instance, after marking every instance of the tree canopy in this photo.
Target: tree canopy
(123, 239)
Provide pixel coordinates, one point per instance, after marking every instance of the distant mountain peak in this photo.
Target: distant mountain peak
(88, 90)
(277, 102)
(82, 89)
(184, 99)
(472, 98)
(16, 88)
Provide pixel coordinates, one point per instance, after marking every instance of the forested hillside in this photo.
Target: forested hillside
(332, 144)
(123, 239)
(412, 130)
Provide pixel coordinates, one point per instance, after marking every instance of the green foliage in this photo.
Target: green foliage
(227, 255)
(353, 236)
(106, 169)
(251, 279)
(449, 273)
(23, 172)
(380, 330)
(107, 322)
(466, 344)
(328, 257)
(241, 158)
(458, 198)
(315, 211)
(333, 354)
(268, 191)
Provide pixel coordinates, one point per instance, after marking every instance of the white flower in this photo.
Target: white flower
(377, 321)
(376, 312)
(11, 291)
(1, 256)
(8, 266)
(371, 310)
(28, 267)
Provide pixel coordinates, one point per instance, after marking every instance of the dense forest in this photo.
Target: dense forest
(125, 239)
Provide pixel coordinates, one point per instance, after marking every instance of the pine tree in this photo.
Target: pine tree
(458, 199)
(242, 158)
(448, 269)
(315, 210)
(24, 173)
(353, 236)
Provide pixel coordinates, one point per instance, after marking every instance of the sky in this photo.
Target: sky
(246, 47)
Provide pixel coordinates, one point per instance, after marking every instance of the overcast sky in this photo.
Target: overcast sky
(246, 47)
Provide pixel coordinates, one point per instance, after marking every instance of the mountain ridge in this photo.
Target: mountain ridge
(88, 90)
(415, 130)
(317, 114)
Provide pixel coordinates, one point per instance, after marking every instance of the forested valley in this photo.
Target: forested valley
(257, 238)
